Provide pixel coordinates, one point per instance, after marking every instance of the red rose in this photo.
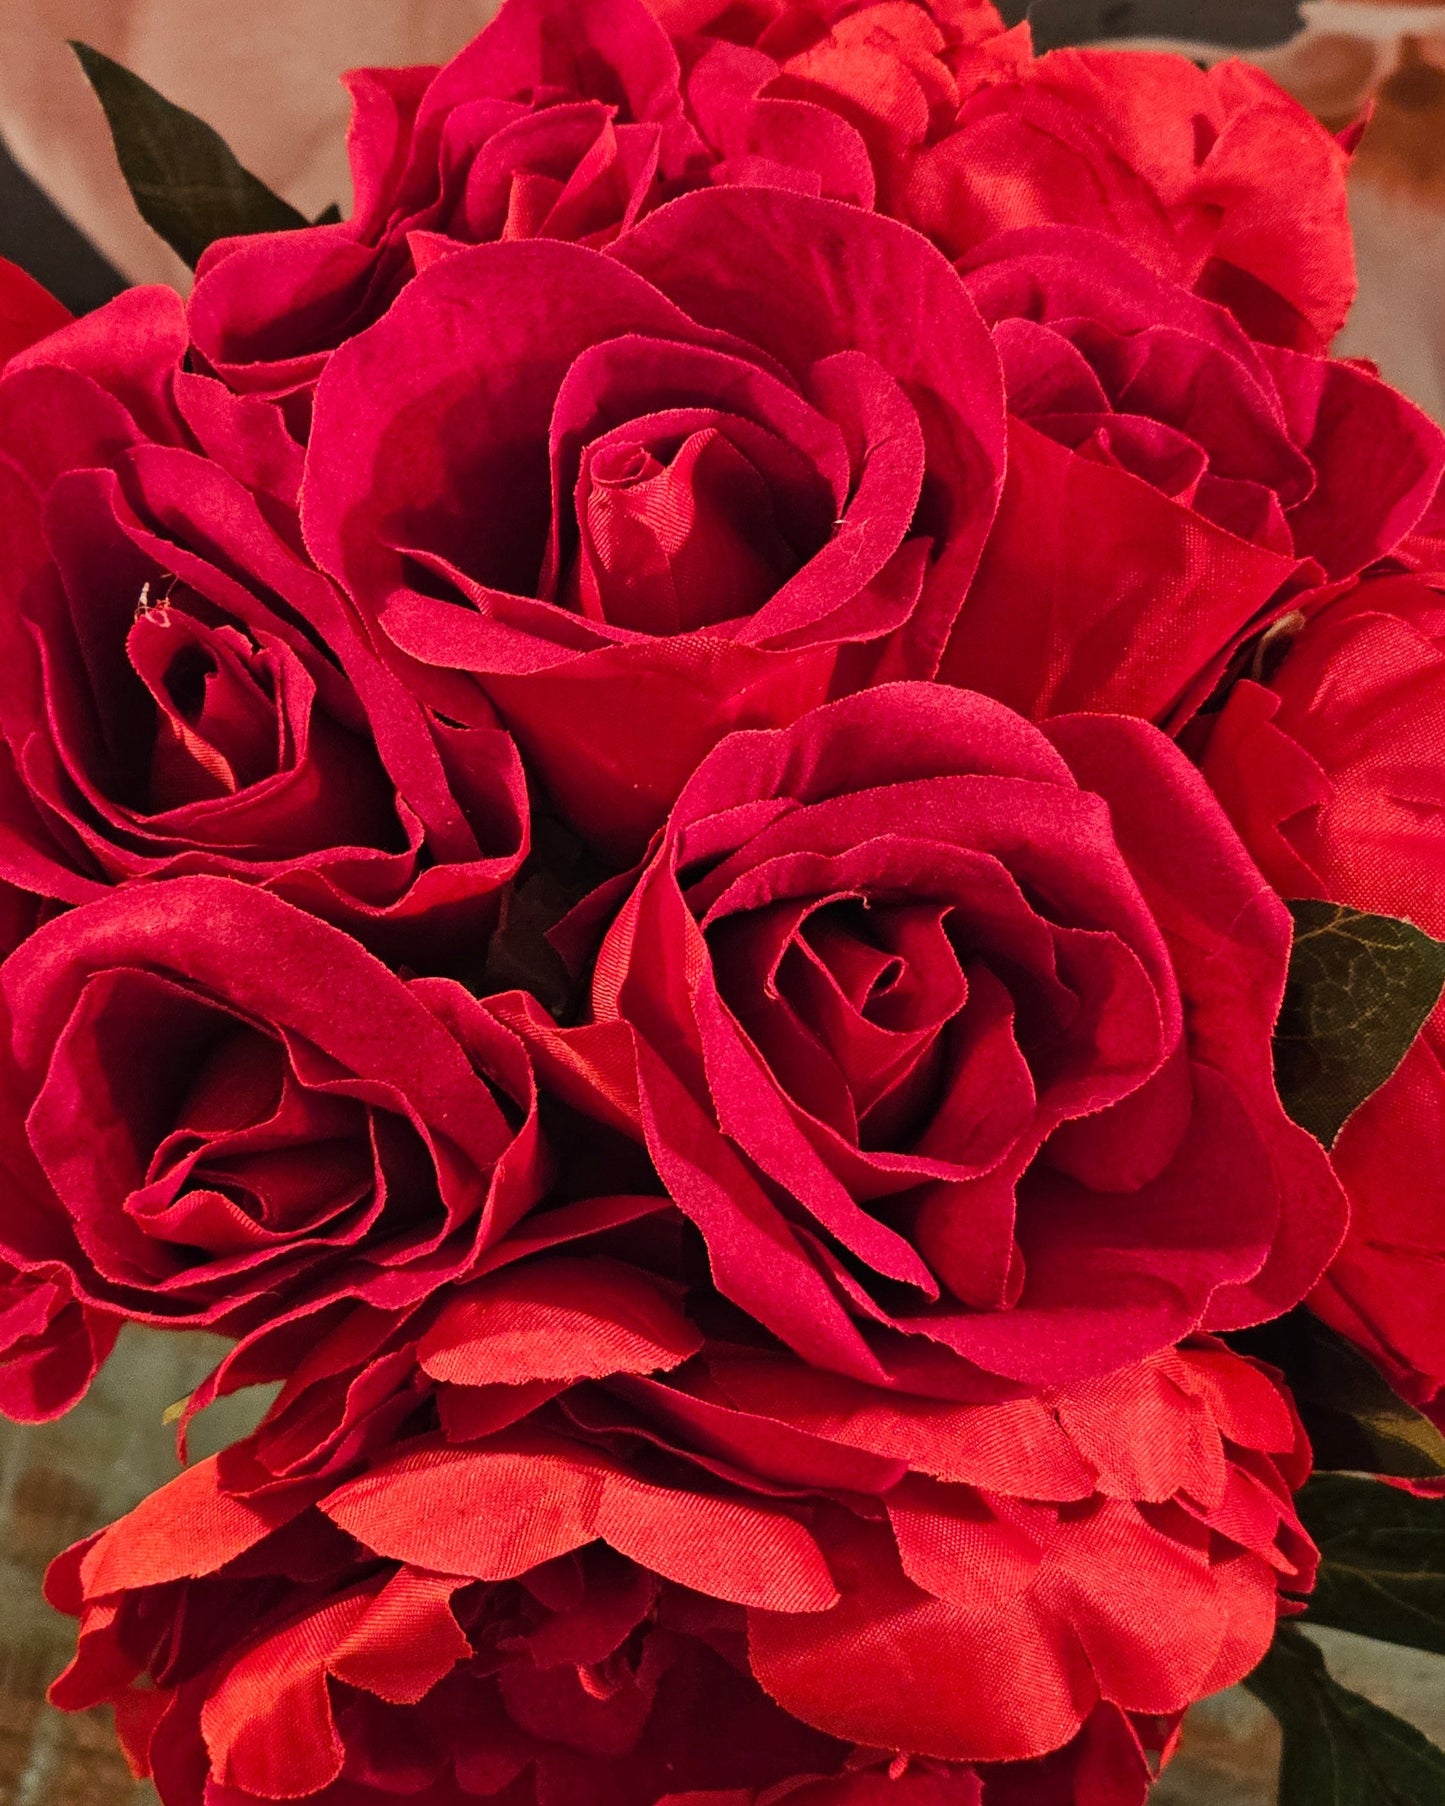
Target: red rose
(185, 693)
(1171, 486)
(27, 311)
(594, 1511)
(244, 1116)
(952, 1034)
(639, 499)
(1334, 773)
(564, 119)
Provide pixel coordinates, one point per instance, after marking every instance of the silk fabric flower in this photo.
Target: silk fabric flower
(952, 1034)
(1332, 769)
(972, 135)
(594, 1509)
(561, 120)
(185, 693)
(1172, 486)
(235, 1113)
(634, 500)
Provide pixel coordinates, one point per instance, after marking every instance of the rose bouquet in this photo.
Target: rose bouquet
(727, 826)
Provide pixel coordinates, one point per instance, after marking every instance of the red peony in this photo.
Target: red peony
(1333, 772)
(1178, 163)
(972, 135)
(1171, 485)
(594, 1517)
(235, 1114)
(637, 500)
(951, 1034)
(185, 693)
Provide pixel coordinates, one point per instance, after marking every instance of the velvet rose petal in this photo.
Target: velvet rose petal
(27, 311)
(51, 1345)
(931, 342)
(1207, 892)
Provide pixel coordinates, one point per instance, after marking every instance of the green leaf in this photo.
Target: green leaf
(1382, 1572)
(1360, 989)
(184, 177)
(1355, 1420)
(1339, 1749)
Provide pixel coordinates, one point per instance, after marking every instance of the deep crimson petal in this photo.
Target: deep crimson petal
(27, 311)
(935, 344)
(1114, 542)
(268, 1152)
(189, 694)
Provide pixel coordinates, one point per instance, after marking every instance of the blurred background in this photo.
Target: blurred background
(264, 73)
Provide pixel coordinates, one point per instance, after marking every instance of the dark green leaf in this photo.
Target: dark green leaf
(184, 177)
(1339, 1749)
(1360, 989)
(1383, 1568)
(1355, 1420)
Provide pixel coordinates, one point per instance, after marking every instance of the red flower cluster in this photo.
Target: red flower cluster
(548, 1538)
(596, 865)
